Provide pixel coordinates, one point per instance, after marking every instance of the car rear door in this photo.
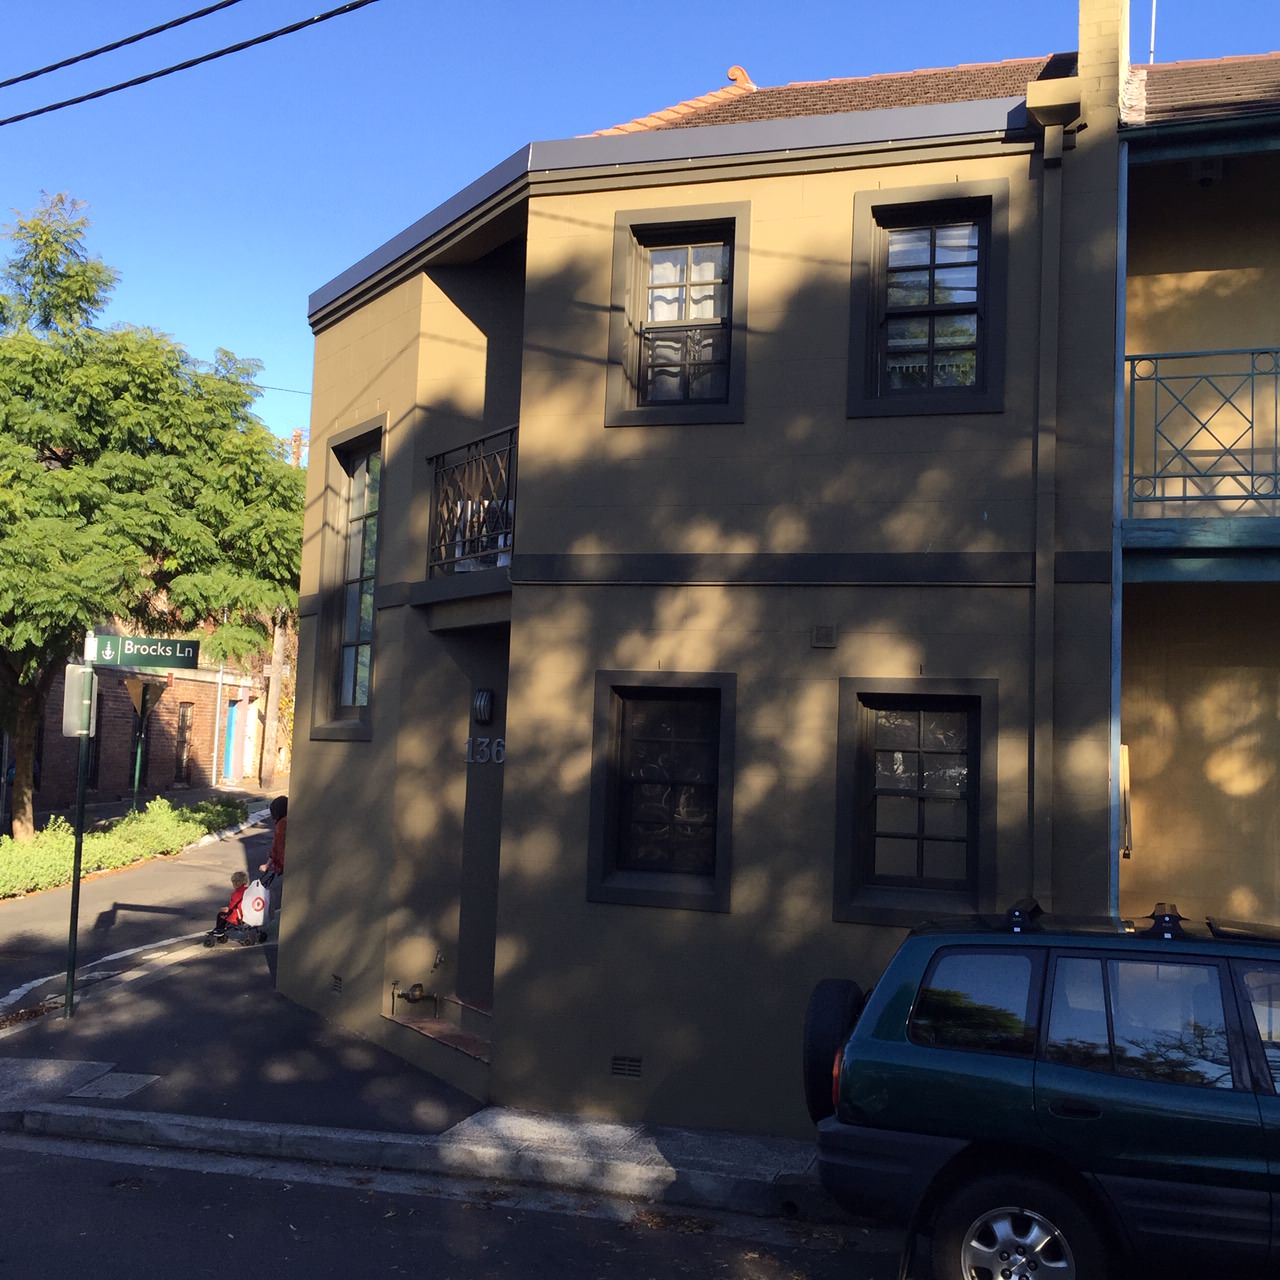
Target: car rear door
(1258, 982)
(1141, 1081)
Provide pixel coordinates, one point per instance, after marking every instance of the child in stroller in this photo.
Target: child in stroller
(241, 919)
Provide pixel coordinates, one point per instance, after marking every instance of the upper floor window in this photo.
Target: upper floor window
(678, 316)
(360, 559)
(685, 335)
(929, 337)
(929, 299)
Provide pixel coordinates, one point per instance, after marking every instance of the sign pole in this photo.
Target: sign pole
(87, 683)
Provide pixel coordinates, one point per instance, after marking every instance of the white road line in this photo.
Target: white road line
(18, 992)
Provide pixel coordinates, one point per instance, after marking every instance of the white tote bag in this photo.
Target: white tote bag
(253, 906)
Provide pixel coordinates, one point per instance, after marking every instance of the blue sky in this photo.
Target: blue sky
(226, 194)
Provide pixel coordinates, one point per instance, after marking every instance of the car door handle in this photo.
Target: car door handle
(1074, 1109)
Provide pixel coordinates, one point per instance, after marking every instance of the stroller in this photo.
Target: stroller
(244, 918)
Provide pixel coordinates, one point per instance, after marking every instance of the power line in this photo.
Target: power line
(262, 386)
(118, 44)
(191, 62)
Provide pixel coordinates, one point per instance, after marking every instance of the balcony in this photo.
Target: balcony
(473, 506)
(1204, 434)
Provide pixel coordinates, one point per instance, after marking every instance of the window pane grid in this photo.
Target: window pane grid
(931, 330)
(359, 571)
(668, 781)
(920, 810)
(684, 336)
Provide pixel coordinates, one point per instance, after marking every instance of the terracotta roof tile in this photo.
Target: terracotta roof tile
(743, 101)
(1214, 88)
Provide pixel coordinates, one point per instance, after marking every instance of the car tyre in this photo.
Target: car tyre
(1000, 1224)
(833, 1008)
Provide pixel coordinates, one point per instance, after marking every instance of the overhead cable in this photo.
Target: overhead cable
(191, 62)
(118, 44)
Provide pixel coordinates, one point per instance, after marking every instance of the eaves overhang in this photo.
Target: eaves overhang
(507, 184)
(1202, 136)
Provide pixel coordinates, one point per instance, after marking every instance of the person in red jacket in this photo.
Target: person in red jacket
(279, 811)
(231, 913)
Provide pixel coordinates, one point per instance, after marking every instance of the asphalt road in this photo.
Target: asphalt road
(136, 907)
(78, 1209)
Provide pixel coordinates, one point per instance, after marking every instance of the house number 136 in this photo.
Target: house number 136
(486, 750)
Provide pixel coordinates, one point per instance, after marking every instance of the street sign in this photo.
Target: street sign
(142, 651)
(144, 694)
(79, 702)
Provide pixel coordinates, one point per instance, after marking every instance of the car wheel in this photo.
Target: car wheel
(833, 1006)
(1015, 1228)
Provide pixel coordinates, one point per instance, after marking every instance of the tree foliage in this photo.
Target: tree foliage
(135, 481)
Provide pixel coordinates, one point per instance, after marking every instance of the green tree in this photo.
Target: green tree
(135, 482)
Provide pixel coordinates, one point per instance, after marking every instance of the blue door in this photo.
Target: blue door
(229, 740)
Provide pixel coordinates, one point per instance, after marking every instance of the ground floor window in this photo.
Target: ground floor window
(915, 817)
(661, 793)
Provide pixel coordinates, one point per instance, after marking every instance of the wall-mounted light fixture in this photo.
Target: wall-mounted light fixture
(482, 706)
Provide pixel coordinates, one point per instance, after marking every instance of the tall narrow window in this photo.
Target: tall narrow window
(685, 333)
(364, 471)
(182, 747)
(920, 790)
(932, 297)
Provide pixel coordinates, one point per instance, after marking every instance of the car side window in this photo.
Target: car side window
(1262, 985)
(980, 1000)
(1078, 1035)
(1169, 1023)
(1152, 1020)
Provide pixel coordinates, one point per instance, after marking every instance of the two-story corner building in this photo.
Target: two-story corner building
(806, 620)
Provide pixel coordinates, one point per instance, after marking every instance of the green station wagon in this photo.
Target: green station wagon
(1040, 1097)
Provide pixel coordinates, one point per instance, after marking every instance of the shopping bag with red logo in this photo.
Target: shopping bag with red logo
(253, 906)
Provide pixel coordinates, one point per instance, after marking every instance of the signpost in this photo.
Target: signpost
(79, 720)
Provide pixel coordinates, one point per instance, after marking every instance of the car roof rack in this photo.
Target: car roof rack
(1166, 921)
(1022, 915)
(1243, 930)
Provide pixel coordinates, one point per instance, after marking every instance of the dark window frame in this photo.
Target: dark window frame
(606, 881)
(876, 213)
(857, 898)
(635, 232)
(331, 719)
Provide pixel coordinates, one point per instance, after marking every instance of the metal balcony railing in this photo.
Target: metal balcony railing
(1204, 433)
(473, 506)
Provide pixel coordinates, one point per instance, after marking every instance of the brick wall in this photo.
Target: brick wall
(114, 745)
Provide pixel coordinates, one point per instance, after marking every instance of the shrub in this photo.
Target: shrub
(45, 862)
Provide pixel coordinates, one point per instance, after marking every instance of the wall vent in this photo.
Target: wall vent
(823, 636)
(335, 985)
(629, 1068)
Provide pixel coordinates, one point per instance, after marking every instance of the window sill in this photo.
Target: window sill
(904, 908)
(674, 415)
(661, 889)
(925, 405)
(342, 731)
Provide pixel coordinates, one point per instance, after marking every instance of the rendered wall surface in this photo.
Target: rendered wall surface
(1202, 722)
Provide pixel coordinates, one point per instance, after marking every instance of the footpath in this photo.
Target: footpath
(193, 1048)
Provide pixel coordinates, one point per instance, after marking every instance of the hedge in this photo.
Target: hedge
(45, 861)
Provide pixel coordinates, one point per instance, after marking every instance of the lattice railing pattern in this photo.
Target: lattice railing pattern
(1203, 438)
(473, 505)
